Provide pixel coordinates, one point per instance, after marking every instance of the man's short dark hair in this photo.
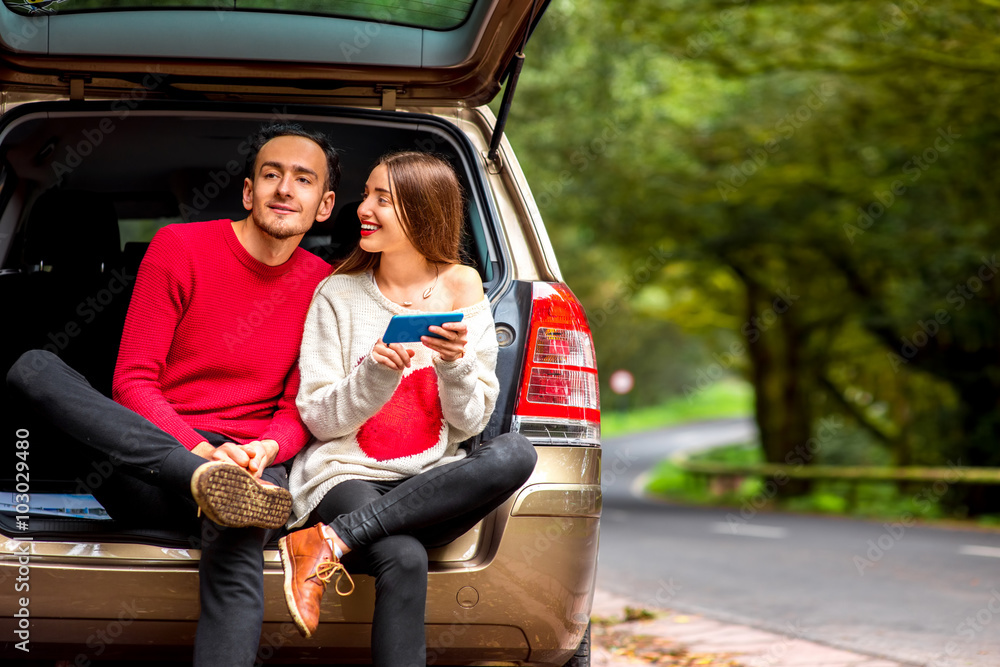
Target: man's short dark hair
(268, 132)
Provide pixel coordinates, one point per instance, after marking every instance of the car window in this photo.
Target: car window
(141, 230)
(432, 14)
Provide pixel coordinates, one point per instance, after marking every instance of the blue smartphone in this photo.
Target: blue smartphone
(409, 328)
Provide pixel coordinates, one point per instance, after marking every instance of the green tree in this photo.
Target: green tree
(832, 161)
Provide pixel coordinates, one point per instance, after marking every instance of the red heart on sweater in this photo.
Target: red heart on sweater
(409, 423)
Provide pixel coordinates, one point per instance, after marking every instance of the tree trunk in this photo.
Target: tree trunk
(782, 408)
(981, 426)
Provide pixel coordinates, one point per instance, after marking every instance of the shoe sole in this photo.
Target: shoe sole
(232, 497)
(293, 609)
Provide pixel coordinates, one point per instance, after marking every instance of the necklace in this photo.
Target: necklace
(426, 294)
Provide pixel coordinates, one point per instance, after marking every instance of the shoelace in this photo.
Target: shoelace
(325, 571)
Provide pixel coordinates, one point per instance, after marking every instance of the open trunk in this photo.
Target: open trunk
(85, 187)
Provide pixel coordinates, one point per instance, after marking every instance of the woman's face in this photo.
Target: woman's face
(381, 229)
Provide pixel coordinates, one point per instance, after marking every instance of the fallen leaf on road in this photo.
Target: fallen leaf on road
(646, 649)
(633, 614)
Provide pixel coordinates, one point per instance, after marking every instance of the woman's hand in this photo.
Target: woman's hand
(395, 356)
(452, 346)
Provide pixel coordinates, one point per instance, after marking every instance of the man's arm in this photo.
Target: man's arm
(286, 428)
(162, 287)
(284, 437)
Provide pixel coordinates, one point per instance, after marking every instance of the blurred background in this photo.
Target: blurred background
(784, 210)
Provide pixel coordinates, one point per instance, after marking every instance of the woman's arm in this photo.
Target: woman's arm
(469, 385)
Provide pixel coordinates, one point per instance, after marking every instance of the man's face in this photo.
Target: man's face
(288, 191)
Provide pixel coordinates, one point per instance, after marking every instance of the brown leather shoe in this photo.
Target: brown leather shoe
(231, 496)
(309, 564)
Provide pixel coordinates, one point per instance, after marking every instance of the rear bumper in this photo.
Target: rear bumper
(540, 590)
(522, 595)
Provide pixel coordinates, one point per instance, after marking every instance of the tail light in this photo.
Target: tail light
(559, 401)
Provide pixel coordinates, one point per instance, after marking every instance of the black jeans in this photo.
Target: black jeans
(149, 484)
(390, 525)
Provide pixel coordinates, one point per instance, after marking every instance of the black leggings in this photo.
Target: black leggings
(390, 525)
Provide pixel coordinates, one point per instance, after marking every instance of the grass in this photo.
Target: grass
(867, 500)
(734, 398)
(669, 481)
(729, 398)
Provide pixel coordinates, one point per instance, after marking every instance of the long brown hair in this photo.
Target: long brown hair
(428, 201)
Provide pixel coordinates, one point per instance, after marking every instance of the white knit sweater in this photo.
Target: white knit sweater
(370, 421)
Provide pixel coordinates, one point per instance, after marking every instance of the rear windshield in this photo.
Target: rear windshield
(432, 14)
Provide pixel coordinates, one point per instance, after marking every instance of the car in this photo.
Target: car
(121, 117)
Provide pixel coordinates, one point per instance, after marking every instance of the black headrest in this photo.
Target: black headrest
(73, 230)
(347, 216)
(346, 230)
(334, 242)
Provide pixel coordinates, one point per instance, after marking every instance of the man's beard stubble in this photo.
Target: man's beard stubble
(277, 230)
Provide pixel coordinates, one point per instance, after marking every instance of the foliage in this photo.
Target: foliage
(805, 189)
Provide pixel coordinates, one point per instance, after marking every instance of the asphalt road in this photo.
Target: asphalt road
(917, 595)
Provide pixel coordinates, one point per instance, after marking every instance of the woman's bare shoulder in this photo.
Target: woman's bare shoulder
(465, 285)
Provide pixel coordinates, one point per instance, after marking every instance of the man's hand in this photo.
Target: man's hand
(254, 456)
(264, 453)
(204, 450)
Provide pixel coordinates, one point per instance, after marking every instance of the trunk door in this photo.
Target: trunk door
(388, 52)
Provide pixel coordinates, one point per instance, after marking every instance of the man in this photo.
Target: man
(206, 381)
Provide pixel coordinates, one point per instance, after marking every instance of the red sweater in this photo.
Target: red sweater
(212, 337)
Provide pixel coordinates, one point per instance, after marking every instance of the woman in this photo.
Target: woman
(385, 478)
